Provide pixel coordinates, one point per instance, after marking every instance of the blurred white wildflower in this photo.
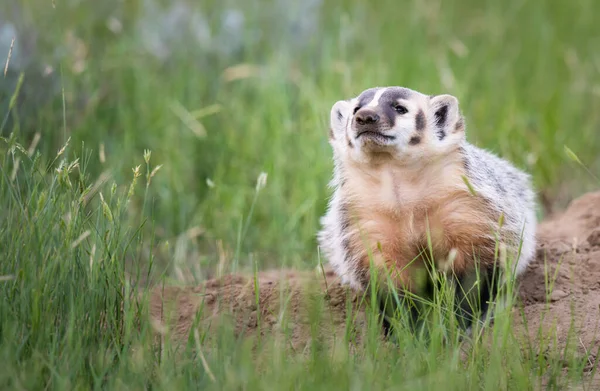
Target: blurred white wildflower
(78, 52)
(102, 154)
(531, 159)
(261, 181)
(114, 25)
(48, 70)
(301, 17)
(459, 48)
(160, 29)
(231, 36)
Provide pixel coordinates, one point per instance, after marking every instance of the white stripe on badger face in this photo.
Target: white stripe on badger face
(375, 101)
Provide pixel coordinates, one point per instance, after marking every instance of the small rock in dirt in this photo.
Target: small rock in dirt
(210, 298)
(540, 251)
(594, 238)
(555, 248)
(270, 319)
(253, 319)
(558, 294)
(560, 247)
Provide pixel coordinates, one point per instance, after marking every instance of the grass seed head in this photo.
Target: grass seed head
(261, 181)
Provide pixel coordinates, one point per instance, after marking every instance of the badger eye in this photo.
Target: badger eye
(400, 109)
(355, 110)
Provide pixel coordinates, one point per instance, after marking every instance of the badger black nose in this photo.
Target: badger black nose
(366, 117)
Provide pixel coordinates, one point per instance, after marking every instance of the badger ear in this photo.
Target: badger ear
(340, 113)
(446, 114)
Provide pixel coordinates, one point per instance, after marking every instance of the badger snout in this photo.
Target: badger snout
(369, 124)
(366, 117)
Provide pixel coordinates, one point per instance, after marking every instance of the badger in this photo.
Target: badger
(408, 191)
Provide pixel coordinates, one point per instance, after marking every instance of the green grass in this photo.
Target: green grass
(527, 76)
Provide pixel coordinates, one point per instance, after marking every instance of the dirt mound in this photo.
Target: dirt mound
(287, 302)
(567, 264)
(561, 289)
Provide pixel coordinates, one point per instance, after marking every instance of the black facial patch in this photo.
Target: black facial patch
(420, 121)
(392, 94)
(389, 99)
(386, 103)
(339, 115)
(440, 120)
(367, 96)
(414, 140)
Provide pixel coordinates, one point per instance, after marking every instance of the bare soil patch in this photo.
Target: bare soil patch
(567, 262)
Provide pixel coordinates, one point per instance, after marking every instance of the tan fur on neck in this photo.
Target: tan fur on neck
(392, 209)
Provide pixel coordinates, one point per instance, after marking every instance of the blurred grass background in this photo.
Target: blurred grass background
(221, 92)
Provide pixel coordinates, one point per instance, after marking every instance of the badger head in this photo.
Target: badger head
(395, 123)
